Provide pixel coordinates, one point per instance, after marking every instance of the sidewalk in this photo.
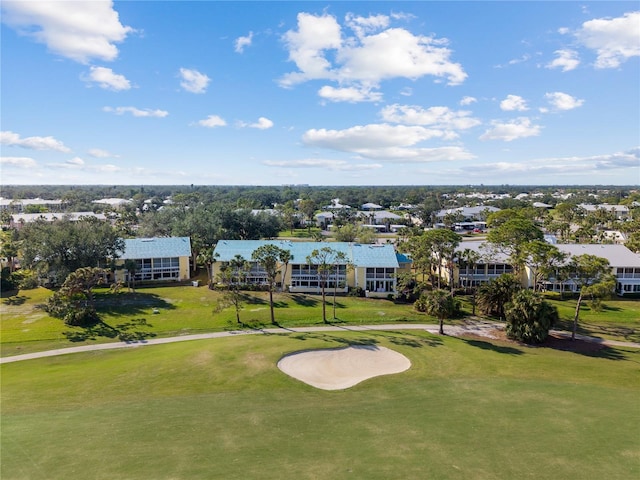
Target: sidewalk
(480, 328)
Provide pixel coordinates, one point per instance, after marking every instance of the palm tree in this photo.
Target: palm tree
(268, 256)
(207, 258)
(529, 317)
(493, 296)
(440, 304)
(131, 267)
(324, 259)
(469, 259)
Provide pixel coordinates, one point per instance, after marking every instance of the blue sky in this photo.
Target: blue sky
(320, 93)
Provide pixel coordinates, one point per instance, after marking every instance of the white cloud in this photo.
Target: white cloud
(242, 42)
(514, 102)
(136, 112)
(513, 130)
(566, 60)
(570, 166)
(438, 117)
(20, 162)
(349, 94)
(193, 81)
(468, 101)
(362, 26)
(324, 164)
(263, 123)
(76, 161)
(107, 79)
(212, 121)
(99, 153)
(614, 40)
(33, 143)
(563, 101)
(385, 142)
(306, 47)
(80, 31)
(406, 92)
(398, 53)
(319, 51)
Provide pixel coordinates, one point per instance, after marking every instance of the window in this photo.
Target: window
(380, 279)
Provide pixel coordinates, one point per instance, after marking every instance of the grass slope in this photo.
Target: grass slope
(221, 409)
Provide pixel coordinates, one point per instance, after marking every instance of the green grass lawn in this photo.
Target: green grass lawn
(178, 310)
(181, 310)
(220, 409)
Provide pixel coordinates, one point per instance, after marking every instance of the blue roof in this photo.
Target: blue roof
(359, 255)
(157, 247)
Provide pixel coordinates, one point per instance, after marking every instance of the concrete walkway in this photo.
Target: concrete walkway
(480, 328)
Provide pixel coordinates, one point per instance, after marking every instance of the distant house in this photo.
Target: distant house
(621, 212)
(467, 214)
(18, 220)
(370, 206)
(113, 202)
(381, 220)
(21, 204)
(157, 259)
(371, 267)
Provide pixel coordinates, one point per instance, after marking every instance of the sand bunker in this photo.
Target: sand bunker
(337, 369)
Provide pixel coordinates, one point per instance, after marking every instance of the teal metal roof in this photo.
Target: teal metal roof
(157, 247)
(357, 254)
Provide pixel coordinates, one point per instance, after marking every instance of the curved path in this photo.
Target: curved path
(480, 328)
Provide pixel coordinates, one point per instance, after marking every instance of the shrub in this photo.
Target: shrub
(529, 317)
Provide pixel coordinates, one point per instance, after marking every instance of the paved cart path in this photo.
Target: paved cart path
(479, 328)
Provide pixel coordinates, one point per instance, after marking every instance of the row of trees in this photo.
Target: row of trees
(274, 261)
(516, 237)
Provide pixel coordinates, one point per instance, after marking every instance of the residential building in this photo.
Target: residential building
(157, 259)
(18, 220)
(21, 204)
(625, 266)
(466, 214)
(373, 268)
(621, 212)
(115, 203)
(490, 265)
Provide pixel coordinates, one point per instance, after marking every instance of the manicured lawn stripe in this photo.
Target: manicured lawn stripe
(221, 409)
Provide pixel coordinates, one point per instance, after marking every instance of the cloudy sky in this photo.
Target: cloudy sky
(337, 93)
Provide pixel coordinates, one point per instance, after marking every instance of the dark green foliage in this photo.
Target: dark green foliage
(60, 247)
(529, 317)
(440, 304)
(74, 301)
(493, 296)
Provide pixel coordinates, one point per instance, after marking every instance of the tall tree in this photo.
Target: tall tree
(438, 303)
(63, 246)
(442, 243)
(340, 260)
(308, 207)
(469, 259)
(206, 257)
(592, 276)
(74, 301)
(324, 260)
(543, 259)
(510, 237)
(233, 275)
(269, 257)
(131, 267)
